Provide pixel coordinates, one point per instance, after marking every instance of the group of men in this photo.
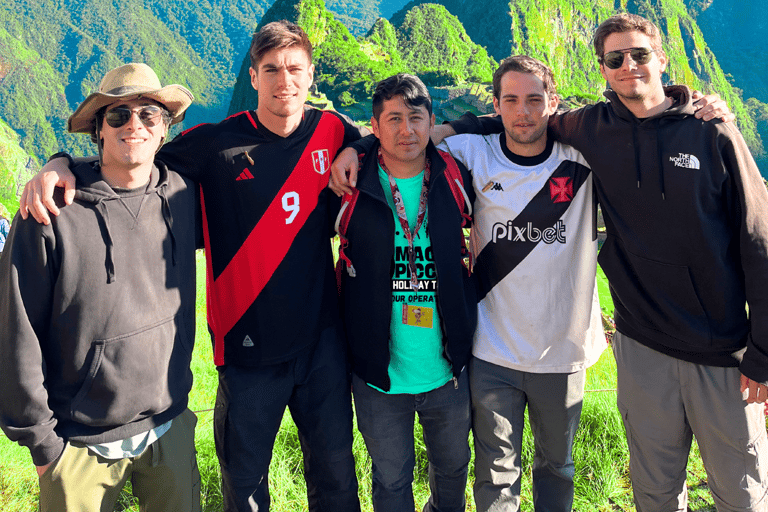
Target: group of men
(97, 306)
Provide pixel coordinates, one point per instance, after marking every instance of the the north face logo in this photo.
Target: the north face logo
(561, 189)
(321, 161)
(685, 161)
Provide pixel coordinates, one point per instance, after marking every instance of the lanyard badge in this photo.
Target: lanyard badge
(397, 198)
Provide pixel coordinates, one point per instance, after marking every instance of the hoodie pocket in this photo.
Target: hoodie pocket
(658, 296)
(128, 376)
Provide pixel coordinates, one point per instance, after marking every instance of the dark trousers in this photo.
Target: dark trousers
(386, 423)
(249, 408)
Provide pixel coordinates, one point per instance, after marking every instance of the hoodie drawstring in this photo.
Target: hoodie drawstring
(168, 218)
(635, 146)
(110, 261)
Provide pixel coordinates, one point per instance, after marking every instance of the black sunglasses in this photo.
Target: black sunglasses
(149, 115)
(614, 60)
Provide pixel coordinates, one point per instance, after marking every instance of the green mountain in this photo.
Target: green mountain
(427, 41)
(14, 167)
(559, 32)
(53, 52)
(357, 15)
(740, 56)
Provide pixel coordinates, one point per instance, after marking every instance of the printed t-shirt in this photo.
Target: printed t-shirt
(417, 364)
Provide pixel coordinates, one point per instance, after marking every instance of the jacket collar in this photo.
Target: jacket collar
(681, 97)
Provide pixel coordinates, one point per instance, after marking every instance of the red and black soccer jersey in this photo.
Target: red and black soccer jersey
(267, 220)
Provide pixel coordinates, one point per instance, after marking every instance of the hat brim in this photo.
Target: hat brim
(175, 98)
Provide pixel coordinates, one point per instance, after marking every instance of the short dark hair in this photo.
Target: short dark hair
(409, 87)
(524, 64)
(625, 22)
(278, 34)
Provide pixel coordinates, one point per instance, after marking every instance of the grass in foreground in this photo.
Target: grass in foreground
(602, 480)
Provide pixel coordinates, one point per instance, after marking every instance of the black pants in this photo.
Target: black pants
(249, 408)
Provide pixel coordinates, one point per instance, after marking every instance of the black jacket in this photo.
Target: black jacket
(367, 298)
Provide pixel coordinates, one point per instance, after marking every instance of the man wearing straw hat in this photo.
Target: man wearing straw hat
(97, 315)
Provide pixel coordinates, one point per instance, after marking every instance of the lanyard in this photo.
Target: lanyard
(397, 198)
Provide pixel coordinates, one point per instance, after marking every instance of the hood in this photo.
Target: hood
(93, 189)
(681, 97)
(682, 106)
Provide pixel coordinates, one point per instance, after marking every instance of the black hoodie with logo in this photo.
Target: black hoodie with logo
(686, 214)
(97, 315)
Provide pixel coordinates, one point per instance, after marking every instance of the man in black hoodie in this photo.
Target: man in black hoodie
(97, 315)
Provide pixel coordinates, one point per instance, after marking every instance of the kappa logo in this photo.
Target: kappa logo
(248, 342)
(245, 175)
(321, 161)
(550, 235)
(685, 161)
(493, 185)
(561, 189)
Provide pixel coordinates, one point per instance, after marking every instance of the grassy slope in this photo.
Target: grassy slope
(602, 482)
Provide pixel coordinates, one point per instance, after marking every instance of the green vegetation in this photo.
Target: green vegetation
(600, 453)
(13, 167)
(428, 41)
(559, 32)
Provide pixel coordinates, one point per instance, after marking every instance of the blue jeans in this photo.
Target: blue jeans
(386, 423)
(499, 398)
(249, 408)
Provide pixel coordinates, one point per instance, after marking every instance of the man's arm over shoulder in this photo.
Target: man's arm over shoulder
(577, 127)
(352, 130)
(482, 125)
(751, 202)
(345, 166)
(27, 276)
(190, 153)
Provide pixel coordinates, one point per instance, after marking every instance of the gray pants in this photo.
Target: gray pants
(665, 402)
(499, 398)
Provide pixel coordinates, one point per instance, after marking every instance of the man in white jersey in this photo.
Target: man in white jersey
(539, 324)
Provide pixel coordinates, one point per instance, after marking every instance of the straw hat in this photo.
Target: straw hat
(128, 81)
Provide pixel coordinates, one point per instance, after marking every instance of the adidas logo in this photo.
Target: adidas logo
(247, 342)
(245, 175)
(685, 161)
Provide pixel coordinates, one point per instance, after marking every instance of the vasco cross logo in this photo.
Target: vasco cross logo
(561, 189)
(321, 161)
(685, 161)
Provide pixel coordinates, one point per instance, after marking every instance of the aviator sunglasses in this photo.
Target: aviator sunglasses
(149, 116)
(614, 60)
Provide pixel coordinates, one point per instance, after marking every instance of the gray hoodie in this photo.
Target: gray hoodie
(97, 315)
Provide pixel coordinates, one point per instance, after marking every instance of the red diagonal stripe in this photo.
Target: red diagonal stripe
(252, 267)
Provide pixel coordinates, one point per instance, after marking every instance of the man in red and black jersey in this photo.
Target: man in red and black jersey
(272, 306)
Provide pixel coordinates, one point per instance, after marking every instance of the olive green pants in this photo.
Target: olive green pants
(164, 478)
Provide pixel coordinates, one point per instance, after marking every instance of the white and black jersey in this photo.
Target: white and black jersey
(536, 250)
